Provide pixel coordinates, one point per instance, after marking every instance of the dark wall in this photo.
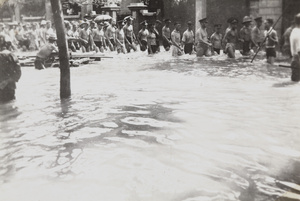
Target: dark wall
(180, 11)
(290, 9)
(218, 11)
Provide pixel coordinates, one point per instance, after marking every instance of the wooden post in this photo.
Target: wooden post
(65, 86)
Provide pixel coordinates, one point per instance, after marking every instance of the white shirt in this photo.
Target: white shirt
(295, 41)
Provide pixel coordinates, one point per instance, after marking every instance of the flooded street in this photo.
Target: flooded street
(141, 128)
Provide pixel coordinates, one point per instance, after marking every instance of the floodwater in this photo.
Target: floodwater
(153, 128)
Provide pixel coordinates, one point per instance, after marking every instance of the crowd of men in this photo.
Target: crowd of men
(100, 36)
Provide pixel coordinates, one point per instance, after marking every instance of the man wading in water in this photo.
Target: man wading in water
(10, 73)
(295, 49)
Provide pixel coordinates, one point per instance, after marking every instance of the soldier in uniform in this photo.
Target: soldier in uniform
(201, 39)
(10, 73)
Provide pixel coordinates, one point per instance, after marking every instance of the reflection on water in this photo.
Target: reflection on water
(153, 128)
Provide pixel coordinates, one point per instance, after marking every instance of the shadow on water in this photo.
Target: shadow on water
(79, 124)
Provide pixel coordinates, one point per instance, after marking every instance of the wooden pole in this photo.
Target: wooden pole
(65, 86)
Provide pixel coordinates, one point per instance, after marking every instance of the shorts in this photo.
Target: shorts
(166, 43)
(99, 44)
(153, 48)
(230, 45)
(113, 42)
(295, 68)
(246, 47)
(39, 63)
(188, 48)
(271, 52)
(217, 50)
(86, 45)
(202, 49)
(144, 45)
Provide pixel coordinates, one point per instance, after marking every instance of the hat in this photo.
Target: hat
(144, 23)
(52, 37)
(232, 20)
(189, 22)
(100, 23)
(175, 23)
(217, 25)
(203, 19)
(82, 23)
(158, 21)
(167, 20)
(128, 18)
(43, 22)
(258, 18)
(48, 22)
(247, 19)
(106, 24)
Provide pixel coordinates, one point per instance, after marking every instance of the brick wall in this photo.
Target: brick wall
(218, 11)
(268, 9)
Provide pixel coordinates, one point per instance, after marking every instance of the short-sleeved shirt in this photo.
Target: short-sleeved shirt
(245, 33)
(257, 35)
(273, 34)
(295, 41)
(175, 36)
(201, 35)
(216, 40)
(46, 50)
(188, 37)
(166, 32)
(151, 38)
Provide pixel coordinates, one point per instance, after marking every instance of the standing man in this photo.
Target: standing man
(84, 36)
(166, 35)
(156, 25)
(216, 39)
(295, 49)
(230, 39)
(271, 41)
(188, 39)
(142, 36)
(202, 43)
(10, 73)
(129, 35)
(44, 53)
(257, 34)
(111, 34)
(245, 35)
(175, 37)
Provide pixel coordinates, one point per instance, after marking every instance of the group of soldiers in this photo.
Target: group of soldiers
(119, 36)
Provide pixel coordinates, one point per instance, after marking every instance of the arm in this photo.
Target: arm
(273, 37)
(254, 32)
(174, 43)
(164, 35)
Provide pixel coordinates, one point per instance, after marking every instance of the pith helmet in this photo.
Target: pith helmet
(247, 19)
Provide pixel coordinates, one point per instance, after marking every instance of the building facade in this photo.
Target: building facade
(218, 11)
